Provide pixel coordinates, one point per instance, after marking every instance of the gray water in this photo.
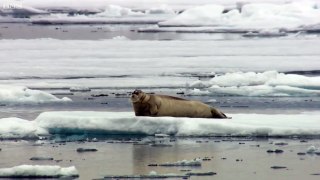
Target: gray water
(229, 158)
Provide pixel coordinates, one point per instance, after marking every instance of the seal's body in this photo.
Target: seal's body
(161, 105)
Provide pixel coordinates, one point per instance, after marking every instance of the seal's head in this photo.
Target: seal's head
(137, 96)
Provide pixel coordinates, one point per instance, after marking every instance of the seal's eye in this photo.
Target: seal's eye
(136, 92)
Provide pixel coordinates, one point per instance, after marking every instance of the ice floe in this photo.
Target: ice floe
(117, 11)
(269, 83)
(258, 16)
(127, 123)
(313, 150)
(80, 122)
(39, 171)
(17, 128)
(23, 95)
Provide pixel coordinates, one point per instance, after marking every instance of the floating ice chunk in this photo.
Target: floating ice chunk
(19, 94)
(117, 11)
(194, 162)
(15, 128)
(79, 89)
(121, 38)
(38, 171)
(269, 83)
(252, 16)
(153, 173)
(313, 150)
(199, 84)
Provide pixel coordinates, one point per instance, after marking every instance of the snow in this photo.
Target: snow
(257, 16)
(38, 171)
(79, 122)
(23, 95)
(269, 83)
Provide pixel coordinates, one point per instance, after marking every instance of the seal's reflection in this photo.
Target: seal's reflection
(143, 155)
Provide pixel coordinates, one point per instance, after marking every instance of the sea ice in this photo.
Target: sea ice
(23, 95)
(17, 128)
(269, 83)
(127, 123)
(251, 16)
(38, 171)
(313, 150)
(79, 122)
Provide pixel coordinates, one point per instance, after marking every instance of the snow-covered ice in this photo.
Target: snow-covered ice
(38, 171)
(79, 122)
(257, 16)
(17, 128)
(269, 83)
(23, 95)
(127, 123)
(227, 16)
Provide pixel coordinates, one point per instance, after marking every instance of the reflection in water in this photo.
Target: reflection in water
(180, 150)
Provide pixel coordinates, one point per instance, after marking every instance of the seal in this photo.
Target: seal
(161, 105)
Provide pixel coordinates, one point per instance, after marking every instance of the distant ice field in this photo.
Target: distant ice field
(260, 75)
(51, 63)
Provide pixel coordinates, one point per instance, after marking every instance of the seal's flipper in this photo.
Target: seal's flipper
(217, 114)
